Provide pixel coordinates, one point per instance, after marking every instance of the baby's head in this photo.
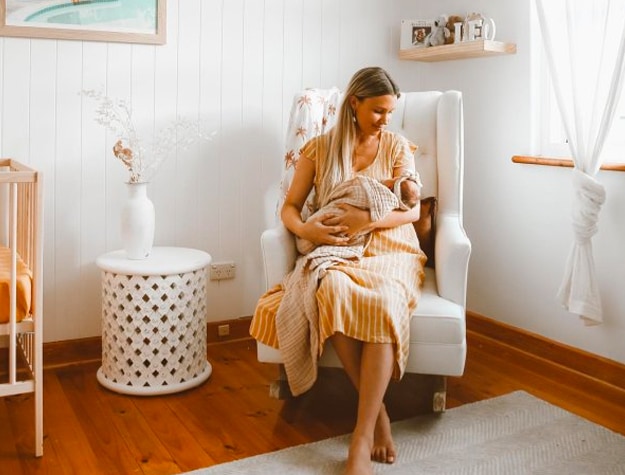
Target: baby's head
(409, 193)
(409, 189)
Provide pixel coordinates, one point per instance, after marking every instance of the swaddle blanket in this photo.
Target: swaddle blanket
(24, 286)
(297, 325)
(365, 193)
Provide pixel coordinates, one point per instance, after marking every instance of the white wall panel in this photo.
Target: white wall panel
(330, 43)
(311, 43)
(117, 85)
(274, 104)
(165, 109)
(67, 206)
(251, 224)
(230, 156)
(185, 191)
(293, 58)
(15, 92)
(209, 101)
(42, 146)
(93, 155)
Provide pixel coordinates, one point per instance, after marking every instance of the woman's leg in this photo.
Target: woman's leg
(369, 367)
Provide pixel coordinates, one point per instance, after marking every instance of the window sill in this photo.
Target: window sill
(562, 162)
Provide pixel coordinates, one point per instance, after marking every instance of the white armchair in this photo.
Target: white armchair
(432, 120)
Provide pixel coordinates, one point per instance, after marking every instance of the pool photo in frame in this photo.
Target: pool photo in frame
(126, 21)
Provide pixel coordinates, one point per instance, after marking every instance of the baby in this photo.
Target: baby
(409, 190)
(379, 197)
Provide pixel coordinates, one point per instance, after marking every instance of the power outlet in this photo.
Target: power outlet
(222, 270)
(223, 330)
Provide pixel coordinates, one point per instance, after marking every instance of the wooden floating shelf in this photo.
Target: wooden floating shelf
(463, 50)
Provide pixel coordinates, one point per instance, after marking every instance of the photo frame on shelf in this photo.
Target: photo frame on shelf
(140, 21)
(414, 33)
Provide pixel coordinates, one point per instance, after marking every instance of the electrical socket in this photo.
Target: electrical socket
(223, 330)
(222, 270)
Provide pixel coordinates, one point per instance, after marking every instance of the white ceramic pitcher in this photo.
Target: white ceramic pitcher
(488, 28)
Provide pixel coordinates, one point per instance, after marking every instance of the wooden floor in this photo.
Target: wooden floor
(91, 430)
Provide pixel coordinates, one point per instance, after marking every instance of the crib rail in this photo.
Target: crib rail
(22, 224)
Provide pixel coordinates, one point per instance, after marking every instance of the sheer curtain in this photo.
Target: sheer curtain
(585, 42)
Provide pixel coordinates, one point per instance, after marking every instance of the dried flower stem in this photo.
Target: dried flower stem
(116, 116)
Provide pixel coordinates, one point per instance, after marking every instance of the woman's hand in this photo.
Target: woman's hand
(319, 231)
(352, 219)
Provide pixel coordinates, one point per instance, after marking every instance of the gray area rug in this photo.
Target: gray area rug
(512, 434)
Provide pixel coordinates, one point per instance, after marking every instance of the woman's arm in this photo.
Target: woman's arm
(357, 220)
(397, 218)
(313, 229)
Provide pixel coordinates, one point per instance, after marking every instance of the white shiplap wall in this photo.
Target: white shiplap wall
(233, 63)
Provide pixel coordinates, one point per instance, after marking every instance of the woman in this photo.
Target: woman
(364, 305)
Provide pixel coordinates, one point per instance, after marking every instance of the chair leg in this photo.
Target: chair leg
(440, 394)
(279, 389)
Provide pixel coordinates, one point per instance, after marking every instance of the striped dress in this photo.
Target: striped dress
(370, 299)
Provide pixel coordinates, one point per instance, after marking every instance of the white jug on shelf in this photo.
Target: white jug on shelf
(488, 28)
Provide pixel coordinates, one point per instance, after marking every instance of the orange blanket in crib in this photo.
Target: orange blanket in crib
(24, 286)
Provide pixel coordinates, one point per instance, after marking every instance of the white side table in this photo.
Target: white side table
(154, 321)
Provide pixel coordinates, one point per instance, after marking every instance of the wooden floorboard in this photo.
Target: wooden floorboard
(90, 429)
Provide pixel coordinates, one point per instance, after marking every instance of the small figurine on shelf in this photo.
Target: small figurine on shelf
(454, 25)
(439, 32)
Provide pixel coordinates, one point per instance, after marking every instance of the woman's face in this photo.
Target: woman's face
(373, 114)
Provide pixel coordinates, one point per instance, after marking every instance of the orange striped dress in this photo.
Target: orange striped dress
(370, 299)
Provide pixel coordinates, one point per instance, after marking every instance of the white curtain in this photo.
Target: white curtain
(585, 44)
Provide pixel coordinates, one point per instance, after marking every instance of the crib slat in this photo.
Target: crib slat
(13, 284)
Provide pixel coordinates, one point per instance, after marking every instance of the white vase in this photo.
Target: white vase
(137, 222)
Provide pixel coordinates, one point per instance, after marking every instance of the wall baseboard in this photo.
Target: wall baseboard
(70, 352)
(86, 350)
(577, 363)
(563, 360)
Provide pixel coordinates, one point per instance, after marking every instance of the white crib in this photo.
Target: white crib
(21, 290)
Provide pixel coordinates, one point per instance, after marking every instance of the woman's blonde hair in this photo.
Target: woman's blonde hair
(337, 167)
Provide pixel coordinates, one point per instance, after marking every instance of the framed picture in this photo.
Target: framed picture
(414, 33)
(128, 21)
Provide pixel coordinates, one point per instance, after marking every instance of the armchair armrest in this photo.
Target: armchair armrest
(278, 253)
(452, 250)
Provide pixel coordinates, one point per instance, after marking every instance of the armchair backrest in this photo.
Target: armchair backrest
(433, 121)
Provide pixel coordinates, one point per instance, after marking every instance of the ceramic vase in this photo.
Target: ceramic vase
(137, 222)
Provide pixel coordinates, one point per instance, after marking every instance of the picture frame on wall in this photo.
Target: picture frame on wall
(127, 21)
(414, 33)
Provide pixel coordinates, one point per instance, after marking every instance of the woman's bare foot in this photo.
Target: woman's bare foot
(383, 445)
(359, 458)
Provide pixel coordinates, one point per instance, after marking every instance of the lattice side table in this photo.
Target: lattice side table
(154, 321)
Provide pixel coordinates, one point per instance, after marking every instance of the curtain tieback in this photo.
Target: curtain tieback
(589, 196)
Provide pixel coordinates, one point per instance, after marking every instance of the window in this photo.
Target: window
(553, 142)
(549, 138)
